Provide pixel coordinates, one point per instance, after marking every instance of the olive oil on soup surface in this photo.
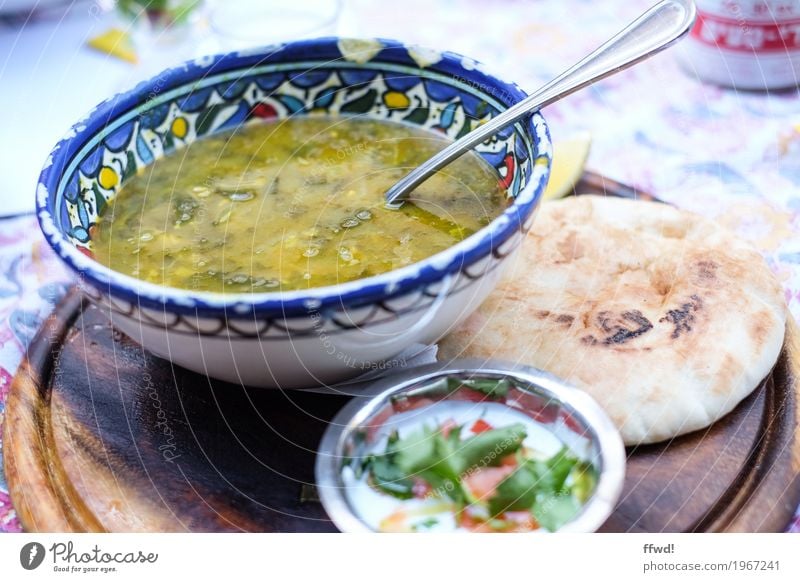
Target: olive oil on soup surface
(292, 204)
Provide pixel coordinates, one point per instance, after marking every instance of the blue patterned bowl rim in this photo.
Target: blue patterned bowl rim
(292, 303)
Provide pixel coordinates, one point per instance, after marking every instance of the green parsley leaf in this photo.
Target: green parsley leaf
(446, 487)
(554, 510)
(388, 477)
(492, 387)
(488, 448)
(416, 452)
(560, 466)
(384, 472)
(425, 524)
(517, 492)
(522, 489)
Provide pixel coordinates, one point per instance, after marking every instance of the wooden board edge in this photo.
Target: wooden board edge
(789, 453)
(594, 183)
(764, 499)
(793, 345)
(42, 498)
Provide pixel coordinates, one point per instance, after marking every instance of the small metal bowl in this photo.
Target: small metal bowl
(569, 414)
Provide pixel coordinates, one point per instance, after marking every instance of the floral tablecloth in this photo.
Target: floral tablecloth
(731, 156)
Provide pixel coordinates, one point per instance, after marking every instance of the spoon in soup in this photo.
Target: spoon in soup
(658, 28)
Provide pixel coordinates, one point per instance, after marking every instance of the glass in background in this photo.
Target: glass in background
(745, 44)
(240, 24)
(162, 29)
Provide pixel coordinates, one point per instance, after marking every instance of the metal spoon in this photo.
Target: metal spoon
(652, 32)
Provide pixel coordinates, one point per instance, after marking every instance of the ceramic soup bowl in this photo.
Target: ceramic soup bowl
(314, 336)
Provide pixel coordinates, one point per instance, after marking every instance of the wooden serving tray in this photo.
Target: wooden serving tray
(100, 435)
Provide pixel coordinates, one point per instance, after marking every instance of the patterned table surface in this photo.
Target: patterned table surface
(731, 156)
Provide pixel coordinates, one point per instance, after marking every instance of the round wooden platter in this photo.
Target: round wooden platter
(100, 435)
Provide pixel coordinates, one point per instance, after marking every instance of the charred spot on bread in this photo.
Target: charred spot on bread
(705, 273)
(563, 318)
(683, 318)
(619, 328)
(707, 269)
(622, 334)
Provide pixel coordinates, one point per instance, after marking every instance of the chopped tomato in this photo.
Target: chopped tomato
(474, 524)
(469, 395)
(572, 424)
(480, 426)
(377, 422)
(447, 426)
(510, 521)
(396, 522)
(421, 488)
(509, 461)
(411, 404)
(482, 482)
(535, 406)
(521, 521)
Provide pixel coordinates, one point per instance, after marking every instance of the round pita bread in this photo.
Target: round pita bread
(664, 317)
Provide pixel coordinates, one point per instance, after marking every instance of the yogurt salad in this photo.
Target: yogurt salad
(480, 454)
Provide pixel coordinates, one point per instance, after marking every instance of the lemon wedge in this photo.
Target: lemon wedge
(116, 43)
(569, 159)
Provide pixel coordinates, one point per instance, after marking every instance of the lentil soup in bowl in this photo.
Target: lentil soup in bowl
(228, 214)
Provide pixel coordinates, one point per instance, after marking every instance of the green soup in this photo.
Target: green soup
(292, 204)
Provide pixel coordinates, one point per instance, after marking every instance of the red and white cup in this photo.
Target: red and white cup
(746, 44)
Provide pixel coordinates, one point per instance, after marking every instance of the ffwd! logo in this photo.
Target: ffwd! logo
(31, 555)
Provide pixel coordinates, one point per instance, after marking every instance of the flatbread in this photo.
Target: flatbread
(664, 317)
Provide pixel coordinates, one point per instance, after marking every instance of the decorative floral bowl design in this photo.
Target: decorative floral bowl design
(320, 335)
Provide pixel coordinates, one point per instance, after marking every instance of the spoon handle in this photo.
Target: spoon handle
(652, 32)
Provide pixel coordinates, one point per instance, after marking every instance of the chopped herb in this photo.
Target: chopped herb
(551, 490)
(493, 388)
(560, 465)
(517, 492)
(389, 478)
(554, 510)
(385, 473)
(425, 524)
(489, 447)
(541, 486)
